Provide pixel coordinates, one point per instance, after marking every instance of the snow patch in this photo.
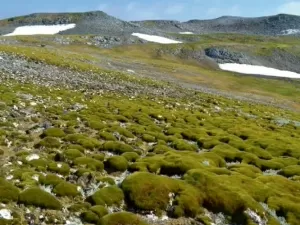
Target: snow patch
(41, 29)
(187, 32)
(5, 214)
(156, 39)
(257, 70)
(290, 31)
(32, 157)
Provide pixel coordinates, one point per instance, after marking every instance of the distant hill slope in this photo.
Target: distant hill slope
(98, 22)
(95, 22)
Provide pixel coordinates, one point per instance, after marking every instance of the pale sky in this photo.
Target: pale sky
(155, 9)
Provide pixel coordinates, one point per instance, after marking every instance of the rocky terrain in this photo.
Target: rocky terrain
(100, 23)
(100, 127)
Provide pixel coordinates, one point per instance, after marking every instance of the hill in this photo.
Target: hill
(98, 22)
(113, 129)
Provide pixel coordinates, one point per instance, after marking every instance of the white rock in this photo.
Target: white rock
(20, 163)
(10, 177)
(33, 103)
(35, 177)
(1, 58)
(59, 165)
(32, 157)
(130, 71)
(15, 125)
(5, 214)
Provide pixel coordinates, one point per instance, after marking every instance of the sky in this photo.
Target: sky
(181, 10)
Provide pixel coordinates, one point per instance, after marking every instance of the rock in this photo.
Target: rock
(5, 214)
(32, 157)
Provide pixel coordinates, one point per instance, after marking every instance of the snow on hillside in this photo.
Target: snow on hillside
(257, 70)
(291, 31)
(156, 39)
(41, 29)
(187, 32)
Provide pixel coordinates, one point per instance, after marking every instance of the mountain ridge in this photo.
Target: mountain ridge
(99, 22)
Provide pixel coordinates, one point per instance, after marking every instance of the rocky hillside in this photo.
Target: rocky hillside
(98, 22)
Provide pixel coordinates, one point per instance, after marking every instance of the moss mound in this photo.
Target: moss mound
(116, 163)
(39, 198)
(54, 132)
(50, 179)
(147, 191)
(89, 163)
(131, 156)
(107, 196)
(99, 210)
(8, 192)
(90, 217)
(121, 218)
(72, 154)
(48, 142)
(116, 147)
(66, 189)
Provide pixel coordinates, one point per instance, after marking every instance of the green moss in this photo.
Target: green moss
(48, 142)
(161, 149)
(8, 192)
(290, 171)
(116, 163)
(78, 147)
(147, 191)
(89, 217)
(89, 163)
(99, 210)
(66, 189)
(79, 207)
(107, 196)
(183, 146)
(54, 132)
(98, 156)
(131, 156)
(72, 154)
(148, 138)
(116, 147)
(61, 168)
(39, 164)
(39, 198)
(121, 218)
(108, 180)
(83, 140)
(96, 125)
(107, 136)
(50, 179)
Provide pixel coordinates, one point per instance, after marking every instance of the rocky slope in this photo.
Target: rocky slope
(98, 22)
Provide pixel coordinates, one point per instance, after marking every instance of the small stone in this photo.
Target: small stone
(32, 157)
(5, 214)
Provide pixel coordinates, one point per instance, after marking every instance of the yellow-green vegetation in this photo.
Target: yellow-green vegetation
(116, 163)
(66, 189)
(90, 163)
(39, 198)
(8, 192)
(121, 218)
(107, 196)
(185, 157)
